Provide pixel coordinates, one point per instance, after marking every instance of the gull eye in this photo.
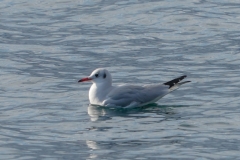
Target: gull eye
(104, 76)
(96, 75)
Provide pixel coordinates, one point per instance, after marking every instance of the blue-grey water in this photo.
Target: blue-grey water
(46, 46)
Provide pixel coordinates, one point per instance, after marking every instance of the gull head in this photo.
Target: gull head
(99, 76)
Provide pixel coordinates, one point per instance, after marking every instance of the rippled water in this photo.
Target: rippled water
(47, 46)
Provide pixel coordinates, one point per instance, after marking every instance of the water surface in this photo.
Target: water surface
(47, 46)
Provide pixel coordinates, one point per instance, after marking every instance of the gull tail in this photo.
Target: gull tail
(175, 83)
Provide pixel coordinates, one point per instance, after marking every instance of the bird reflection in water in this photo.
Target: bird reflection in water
(98, 113)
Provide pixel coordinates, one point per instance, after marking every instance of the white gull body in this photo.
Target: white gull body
(102, 92)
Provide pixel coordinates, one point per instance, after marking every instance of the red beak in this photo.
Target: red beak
(85, 79)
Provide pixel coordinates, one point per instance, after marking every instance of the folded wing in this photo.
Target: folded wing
(131, 95)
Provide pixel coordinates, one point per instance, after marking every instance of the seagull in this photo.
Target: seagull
(103, 93)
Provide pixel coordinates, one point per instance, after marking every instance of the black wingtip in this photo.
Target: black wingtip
(175, 81)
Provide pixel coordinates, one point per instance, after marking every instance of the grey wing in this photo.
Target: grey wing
(130, 95)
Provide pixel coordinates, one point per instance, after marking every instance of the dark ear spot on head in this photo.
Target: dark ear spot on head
(104, 76)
